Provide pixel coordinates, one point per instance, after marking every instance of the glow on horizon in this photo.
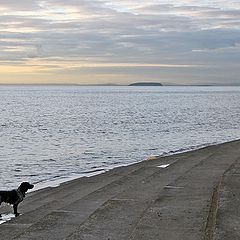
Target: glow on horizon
(103, 41)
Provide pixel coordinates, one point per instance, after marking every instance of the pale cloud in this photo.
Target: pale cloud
(113, 39)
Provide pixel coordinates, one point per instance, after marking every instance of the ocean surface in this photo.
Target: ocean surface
(54, 133)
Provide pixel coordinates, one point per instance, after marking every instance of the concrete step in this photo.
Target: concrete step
(49, 194)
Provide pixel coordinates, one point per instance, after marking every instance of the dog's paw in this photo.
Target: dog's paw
(17, 214)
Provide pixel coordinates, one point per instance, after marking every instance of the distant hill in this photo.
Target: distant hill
(145, 84)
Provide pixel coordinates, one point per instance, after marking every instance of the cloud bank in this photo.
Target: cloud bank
(97, 41)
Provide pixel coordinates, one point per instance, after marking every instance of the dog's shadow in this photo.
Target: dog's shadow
(6, 217)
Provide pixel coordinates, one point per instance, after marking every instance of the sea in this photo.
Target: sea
(51, 134)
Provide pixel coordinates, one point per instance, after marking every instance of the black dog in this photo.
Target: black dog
(16, 196)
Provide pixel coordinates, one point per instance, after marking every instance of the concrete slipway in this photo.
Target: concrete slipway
(188, 196)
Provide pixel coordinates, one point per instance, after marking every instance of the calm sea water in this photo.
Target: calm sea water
(55, 132)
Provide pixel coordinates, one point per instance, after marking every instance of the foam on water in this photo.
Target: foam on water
(6, 217)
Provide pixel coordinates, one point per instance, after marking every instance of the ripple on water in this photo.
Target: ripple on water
(57, 132)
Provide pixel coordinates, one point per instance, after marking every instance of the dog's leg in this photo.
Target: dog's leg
(15, 210)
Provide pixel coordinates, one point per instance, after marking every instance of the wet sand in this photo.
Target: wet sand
(193, 195)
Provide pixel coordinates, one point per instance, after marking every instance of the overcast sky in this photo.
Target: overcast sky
(120, 41)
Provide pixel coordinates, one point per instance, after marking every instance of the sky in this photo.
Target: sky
(120, 41)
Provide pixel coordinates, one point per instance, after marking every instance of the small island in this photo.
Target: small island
(145, 84)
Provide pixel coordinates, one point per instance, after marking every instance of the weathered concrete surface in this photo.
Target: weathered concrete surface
(141, 201)
(228, 214)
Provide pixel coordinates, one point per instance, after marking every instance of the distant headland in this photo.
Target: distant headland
(145, 84)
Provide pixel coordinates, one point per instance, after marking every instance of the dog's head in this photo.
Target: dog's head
(25, 186)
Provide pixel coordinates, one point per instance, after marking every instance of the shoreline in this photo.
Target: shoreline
(56, 182)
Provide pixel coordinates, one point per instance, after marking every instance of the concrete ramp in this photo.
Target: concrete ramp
(175, 197)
